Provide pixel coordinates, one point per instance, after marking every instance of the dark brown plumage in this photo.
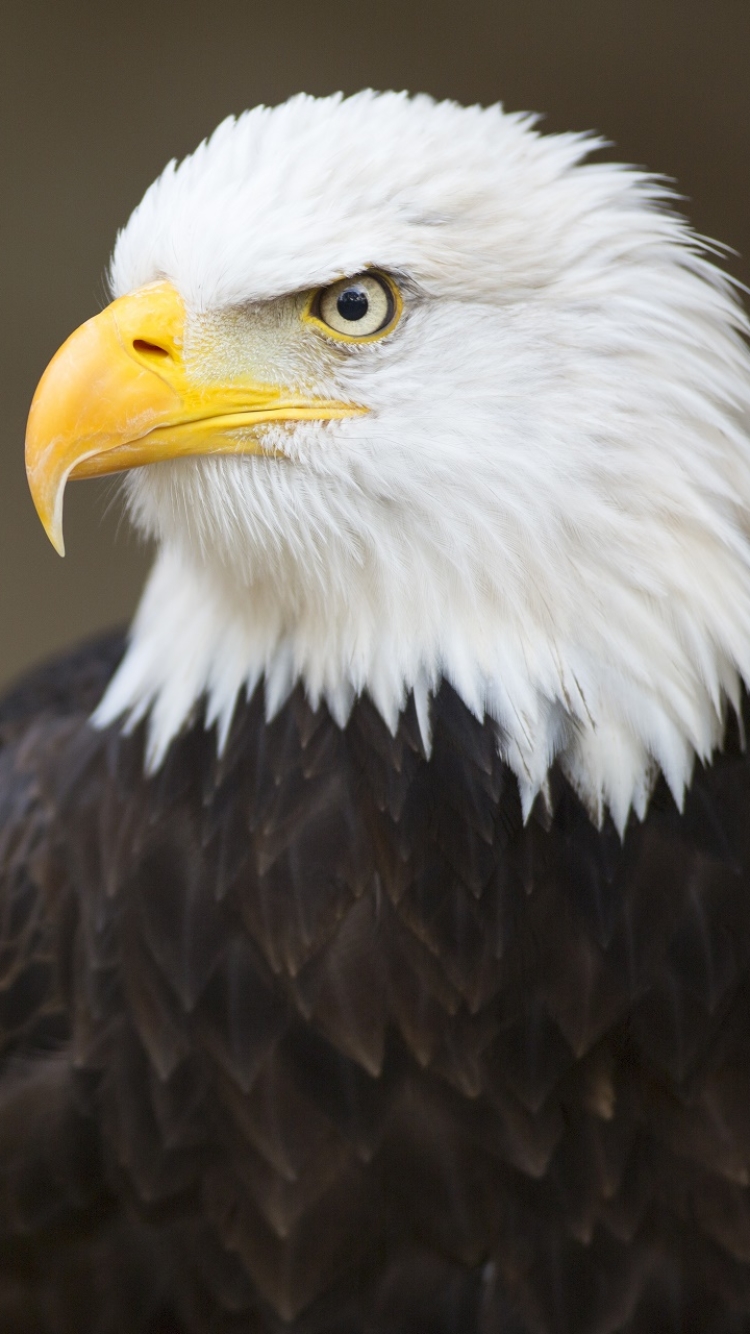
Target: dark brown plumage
(319, 1036)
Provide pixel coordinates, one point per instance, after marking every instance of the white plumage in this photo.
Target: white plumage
(547, 502)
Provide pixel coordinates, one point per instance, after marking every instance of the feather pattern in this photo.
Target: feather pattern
(321, 1035)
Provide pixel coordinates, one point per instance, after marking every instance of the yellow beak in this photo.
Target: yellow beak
(118, 395)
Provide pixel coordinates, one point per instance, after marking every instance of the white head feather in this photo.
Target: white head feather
(548, 502)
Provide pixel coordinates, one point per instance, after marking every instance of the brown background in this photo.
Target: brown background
(95, 97)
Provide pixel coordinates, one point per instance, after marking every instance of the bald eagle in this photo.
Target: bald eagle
(375, 917)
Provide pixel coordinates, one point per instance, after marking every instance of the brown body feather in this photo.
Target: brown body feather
(320, 1036)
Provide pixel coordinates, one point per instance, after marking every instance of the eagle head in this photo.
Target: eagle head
(407, 391)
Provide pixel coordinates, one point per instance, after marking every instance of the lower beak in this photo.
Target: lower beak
(118, 395)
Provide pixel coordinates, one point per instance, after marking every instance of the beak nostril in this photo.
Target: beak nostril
(142, 346)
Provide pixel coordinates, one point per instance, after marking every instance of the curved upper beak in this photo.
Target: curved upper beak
(119, 394)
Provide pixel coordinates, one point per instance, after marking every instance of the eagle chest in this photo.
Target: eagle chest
(332, 1002)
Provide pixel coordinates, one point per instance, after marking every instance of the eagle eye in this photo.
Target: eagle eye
(356, 309)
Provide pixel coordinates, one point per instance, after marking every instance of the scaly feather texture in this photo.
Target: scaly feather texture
(321, 1038)
(547, 503)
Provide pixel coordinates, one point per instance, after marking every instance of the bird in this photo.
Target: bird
(375, 912)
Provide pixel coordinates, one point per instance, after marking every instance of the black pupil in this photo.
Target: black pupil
(352, 304)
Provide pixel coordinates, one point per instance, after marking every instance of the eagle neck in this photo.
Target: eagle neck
(196, 644)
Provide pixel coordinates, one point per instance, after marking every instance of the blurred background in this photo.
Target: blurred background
(95, 98)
